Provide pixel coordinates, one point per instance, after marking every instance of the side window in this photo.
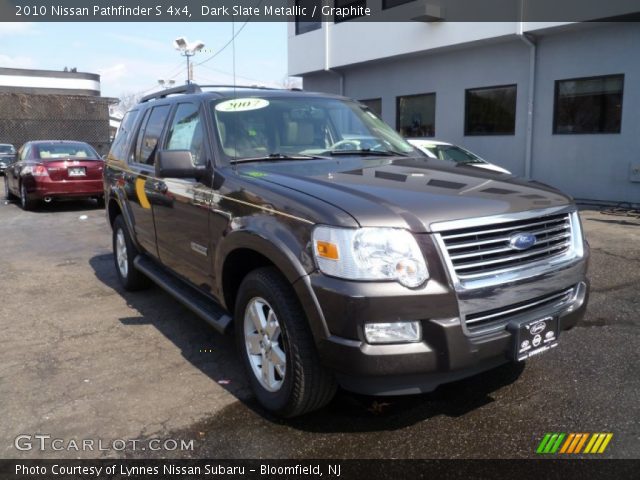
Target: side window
(24, 152)
(122, 137)
(148, 140)
(186, 132)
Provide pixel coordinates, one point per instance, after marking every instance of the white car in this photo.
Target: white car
(453, 153)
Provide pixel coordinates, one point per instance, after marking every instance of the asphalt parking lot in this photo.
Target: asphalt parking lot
(82, 359)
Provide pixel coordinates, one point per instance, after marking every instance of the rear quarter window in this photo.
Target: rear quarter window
(119, 146)
(147, 143)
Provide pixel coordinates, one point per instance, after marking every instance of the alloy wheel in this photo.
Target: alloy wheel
(121, 254)
(264, 344)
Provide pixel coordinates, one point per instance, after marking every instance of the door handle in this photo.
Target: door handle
(160, 186)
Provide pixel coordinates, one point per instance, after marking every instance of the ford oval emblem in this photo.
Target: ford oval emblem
(538, 328)
(522, 241)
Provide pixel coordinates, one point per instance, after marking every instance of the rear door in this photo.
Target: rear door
(12, 173)
(139, 179)
(181, 205)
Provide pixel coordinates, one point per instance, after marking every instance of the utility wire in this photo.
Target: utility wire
(233, 37)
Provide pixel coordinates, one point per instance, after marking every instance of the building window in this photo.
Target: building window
(490, 111)
(588, 105)
(309, 22)
(351, 4)
(416, 115)
(394, 3)
(374, 104)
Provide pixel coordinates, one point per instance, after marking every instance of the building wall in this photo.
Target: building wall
(25, 117)
(447, 74)
(591, 166)
(53, 105)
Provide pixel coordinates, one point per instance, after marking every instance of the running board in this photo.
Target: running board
(205, 308)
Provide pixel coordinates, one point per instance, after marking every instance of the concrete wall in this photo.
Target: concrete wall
(589, 166)
(592, 167)
(447, 74)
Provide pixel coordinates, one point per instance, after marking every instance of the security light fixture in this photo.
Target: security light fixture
(187, 50)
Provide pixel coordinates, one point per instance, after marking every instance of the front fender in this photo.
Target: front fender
(287, 248)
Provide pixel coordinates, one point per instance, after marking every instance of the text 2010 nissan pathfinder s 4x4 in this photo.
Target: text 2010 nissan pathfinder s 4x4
(339, 253)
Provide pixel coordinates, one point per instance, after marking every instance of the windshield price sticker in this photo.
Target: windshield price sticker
(241, 104)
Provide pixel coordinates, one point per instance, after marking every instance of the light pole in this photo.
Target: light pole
(166, 83)
(188, 50)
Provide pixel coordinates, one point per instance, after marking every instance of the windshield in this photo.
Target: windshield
(7, 149)
(55, 151)
(280, 128)
(453, 153)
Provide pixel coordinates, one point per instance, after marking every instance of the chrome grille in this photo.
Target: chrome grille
(483, 321)
(484, 250)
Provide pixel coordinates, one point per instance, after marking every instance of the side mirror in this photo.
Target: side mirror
(176, 164)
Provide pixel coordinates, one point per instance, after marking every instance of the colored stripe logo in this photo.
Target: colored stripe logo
(572, 443)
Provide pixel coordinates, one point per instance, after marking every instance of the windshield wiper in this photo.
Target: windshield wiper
(368, 152)
(278, 156)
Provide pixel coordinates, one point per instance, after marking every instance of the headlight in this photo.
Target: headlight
(370, 254)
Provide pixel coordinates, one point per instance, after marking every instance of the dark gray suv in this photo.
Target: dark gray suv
(339, 254)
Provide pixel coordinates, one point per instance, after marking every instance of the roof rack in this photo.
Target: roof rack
(195, 88)
(251, 87)
(187, 88)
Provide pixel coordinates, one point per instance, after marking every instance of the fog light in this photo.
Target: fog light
(396, 332)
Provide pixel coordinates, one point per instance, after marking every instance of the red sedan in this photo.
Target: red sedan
(50, 169)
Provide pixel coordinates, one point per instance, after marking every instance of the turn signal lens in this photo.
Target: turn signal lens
(327, 250)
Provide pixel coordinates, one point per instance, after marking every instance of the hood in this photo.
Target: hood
(408, 193)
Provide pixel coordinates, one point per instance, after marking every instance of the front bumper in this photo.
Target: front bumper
(448, 351)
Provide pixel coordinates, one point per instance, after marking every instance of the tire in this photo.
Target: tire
(7, 194)
(124, 253)
(25, 202)
(302, 384)
(100, 202)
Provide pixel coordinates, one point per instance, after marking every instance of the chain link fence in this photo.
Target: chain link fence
(25, 117)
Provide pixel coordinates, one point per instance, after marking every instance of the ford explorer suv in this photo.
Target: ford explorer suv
(337, 253)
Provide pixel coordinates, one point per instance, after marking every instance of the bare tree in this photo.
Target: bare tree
(127, 101)
(291, 82)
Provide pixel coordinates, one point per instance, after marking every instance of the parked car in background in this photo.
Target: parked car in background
(7, 156)
(453, 153)
(51, 169)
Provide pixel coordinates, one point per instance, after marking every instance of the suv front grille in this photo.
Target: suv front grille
(483, 321)
(484, 250)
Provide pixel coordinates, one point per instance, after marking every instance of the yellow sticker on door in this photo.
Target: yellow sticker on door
(142, 195)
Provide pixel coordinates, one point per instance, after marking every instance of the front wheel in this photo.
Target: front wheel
(125, 252)
(277, 347)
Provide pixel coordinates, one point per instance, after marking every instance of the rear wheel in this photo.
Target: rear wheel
(277, 346)
(25, 202)
(100, 202)
(124, 253)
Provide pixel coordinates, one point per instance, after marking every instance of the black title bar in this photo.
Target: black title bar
(318, 10)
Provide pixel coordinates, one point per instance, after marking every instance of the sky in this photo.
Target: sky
(132, 57)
